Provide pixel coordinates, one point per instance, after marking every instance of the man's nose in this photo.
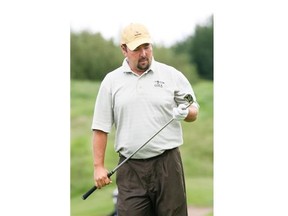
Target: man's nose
(142, 52)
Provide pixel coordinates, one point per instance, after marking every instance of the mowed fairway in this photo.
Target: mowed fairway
(197, 152)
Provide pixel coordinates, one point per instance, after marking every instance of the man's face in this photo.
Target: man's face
(139, 59)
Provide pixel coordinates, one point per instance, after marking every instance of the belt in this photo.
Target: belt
(151, 158)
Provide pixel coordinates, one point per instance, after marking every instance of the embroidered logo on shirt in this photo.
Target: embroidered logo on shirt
(159, 83)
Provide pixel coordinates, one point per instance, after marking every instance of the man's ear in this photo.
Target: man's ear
(124, 49)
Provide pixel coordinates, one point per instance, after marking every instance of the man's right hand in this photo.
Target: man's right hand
(100, 177)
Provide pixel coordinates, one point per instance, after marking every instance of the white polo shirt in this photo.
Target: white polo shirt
(139, 106)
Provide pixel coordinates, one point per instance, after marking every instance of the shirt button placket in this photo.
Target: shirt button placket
(139, 86)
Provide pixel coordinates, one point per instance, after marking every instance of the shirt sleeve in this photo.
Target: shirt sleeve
(183, 87)
(103, 112)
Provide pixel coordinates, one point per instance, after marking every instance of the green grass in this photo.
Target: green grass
(197, 152)
(199, 191)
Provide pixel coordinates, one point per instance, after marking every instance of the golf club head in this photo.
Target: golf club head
(189, 98)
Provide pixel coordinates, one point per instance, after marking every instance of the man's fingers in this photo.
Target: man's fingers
(108, 181)
(102, 182)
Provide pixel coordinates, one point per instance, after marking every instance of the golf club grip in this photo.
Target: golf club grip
(88, 193)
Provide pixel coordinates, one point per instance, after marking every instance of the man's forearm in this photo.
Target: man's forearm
(192, 115)
(99, 147)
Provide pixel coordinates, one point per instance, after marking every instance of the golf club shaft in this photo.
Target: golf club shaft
(89, 192)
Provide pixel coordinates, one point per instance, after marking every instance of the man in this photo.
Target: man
(138, 98)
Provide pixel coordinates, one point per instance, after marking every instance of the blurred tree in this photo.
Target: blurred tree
(92, 57)
(180, 61)
(200, 49)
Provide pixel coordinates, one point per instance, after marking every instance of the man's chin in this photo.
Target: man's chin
(143, 66)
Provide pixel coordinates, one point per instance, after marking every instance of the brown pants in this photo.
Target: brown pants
(152, 187)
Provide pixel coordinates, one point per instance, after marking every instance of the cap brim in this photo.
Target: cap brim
(134, 44)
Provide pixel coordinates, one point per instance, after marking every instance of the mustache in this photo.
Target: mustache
(143, 58)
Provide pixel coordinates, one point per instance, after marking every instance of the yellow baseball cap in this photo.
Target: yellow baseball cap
(134, 35)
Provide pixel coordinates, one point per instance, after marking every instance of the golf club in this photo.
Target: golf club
(188, 98)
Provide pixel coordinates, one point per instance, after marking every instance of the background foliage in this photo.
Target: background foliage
(92, 56)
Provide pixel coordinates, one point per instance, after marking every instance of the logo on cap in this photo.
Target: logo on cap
(137, 34)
